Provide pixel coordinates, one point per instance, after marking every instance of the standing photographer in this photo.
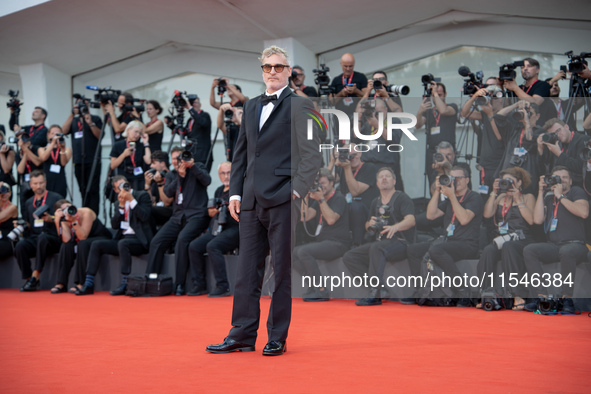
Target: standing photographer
(297, 83)
(36, 133)
(199, 131)
(54, 156)
(8, 213)
(562, 208)
(237, 99)
(131, 157)
(85, 130)
(7, 158)
(119, 123)
(228, 121)
(155, 127)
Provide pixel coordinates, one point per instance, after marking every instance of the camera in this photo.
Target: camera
(378, 85)
(501, 239)
(550, 138)
(222, 86)
(438, 157)
(103, 96)
(576, 64)
(60, 138)
(153, 171)
(586, 154)
(228, 115)
(132, 145)
(18, 231)
(398, 89)
(138, 107)
(518, 115)
(222, 206)
(551, 180)
(506, 185)
(344, 156)
(473, 81)
(14, 103)
(446, 180)
(70, 210)
(81, 103)
(186, 155)
(4, 189)
(125, 186)
(176, 119)
(10, 147)
(368, 108)
(426, 81)
(323, 80)
(490, 301)
(316, 185)
(507, 71)
(549, 304)
(517, 161)
(373, 231)
(187, 143)
(39, 212)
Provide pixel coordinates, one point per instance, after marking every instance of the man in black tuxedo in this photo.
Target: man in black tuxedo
(133, 237)
(266, 176)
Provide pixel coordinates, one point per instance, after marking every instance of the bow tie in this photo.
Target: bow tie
(268, 99)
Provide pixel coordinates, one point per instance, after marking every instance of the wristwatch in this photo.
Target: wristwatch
(561, 197)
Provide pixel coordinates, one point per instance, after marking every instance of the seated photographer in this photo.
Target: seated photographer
(439, 119)
(562, 208)
(481, 107)
(7, 158)
(78, 229)
(560, 146)
(297, 83)
(356, 181)
(389, 232)
(119, 123)
(512, 214)
(85, 130)
(237, 99)
(462, 215)
(54, 157)
(131, 157)
(378, 86)
(132, 222)
(37, 231)
(325, 213)
(187, 184)
(228, 121)
(8, 214)
(518, 122)
(161, 204)
(199, 131)
(154, 127)
(222, 237)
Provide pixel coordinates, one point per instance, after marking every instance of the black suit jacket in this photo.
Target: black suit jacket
(263, 169)
(139, 219)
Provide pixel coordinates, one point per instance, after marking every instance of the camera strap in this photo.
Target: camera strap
(327, 198)
(391, 204)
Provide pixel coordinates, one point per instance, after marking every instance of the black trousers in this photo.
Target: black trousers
(39, 246)
(568, 255)
(93, 197)
(6, 248)
(161, 215)
(170, 233)
(358, 214)
(70, 252)
(126, 247)
(260, 230)
(511, 256)
(215, 247)
(305, 257)
(371, 258)
(444, 254)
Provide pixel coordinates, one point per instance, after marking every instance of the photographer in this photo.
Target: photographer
(228, 121)
(78, 229)
(381, 88)
(54, 156)
(222, 237)
(37, 133)
(154, 178)
(85, 130)
(518, 122)
(562, 208)
(348, 85)
(512, 214)
(8, 214)
(481, 107)
(199, 131)
(331, 228)
(356, 183)
(187, 184)
(462, 215)
(155, 127)
(390, 228)
(40, 237)
(297, 83)
(560, 146)
(132, 222)
(128, 114)
(439, 119)
(237, 99)
(131, 156)
(7, 158)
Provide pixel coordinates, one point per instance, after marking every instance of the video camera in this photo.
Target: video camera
(14, 103)
(507, 71)
(176, 119)
(576, 64)
(103, 96)
(81, 103)
(139, 107)
(472, 81)
(426, 81)
(323, 80)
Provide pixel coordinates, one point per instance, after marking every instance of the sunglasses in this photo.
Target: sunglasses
(278, 67)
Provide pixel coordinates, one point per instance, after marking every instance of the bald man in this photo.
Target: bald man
(350, 83)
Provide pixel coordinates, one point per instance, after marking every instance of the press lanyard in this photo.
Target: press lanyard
(350, 79)
(42, 203)
(436, 116)
(132, 156)
(530, 86)
(328, 198)
(55, 157)
(453, 218)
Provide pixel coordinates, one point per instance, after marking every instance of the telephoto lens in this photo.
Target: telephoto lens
(71, 210)
(186, 156)
(446, 180)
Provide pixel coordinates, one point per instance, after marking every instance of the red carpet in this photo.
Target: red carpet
(103, 344)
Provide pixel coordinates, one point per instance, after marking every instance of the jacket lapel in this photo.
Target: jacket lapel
(286, 92)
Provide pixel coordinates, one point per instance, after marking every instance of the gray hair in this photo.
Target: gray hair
(274, 50)
(135, 124)
(444, 145)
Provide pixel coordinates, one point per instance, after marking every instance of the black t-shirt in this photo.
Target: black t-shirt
(542, 89)
(515, 138)
(571, 157)
(400, 205)
(31, 205)
(569, 227)
(366, 173)
(127, 167)
(199, 131)
(310, 91)
(491, 151)
(37, 135)
(339, 231)
(84, 142)
(440, 128)
(470, 232)
(339, 82)
(126, 117)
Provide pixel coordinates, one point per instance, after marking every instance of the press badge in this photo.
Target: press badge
(483, 189)
(349, 198)
(450, 229)
(318, 229)
(519, 151)
(38, 223)
(554, 224)
(347, 101)
(27, 177)
(75, 248)
(435, 130)
(78, 134)
(124, 225)
(180, 199)
(160, 204)
(504, 229)
(138, 171)
(55, 168)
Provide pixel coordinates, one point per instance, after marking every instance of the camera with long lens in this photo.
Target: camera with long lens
(368, 108)
(438, 157)
(323, 80)
(373, 231)
(186, 155)
(125, 186)
(506, 185)
(81, 103)
(60, 138)
(14, 103)
(39, 212)
(18, 231)
(426, 81)
(472, 81)
(550, 138)
(138, 107)
(446, 180)
(507, 71)
(228, 115)
(549, 304)
(489, 300)
(492, 91)
(70, 210)
(576, 64)
(398, 89)
(551, 180)
(222, 86)
(103, 95)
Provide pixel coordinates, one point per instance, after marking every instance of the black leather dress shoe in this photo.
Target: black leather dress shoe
(119, 291)
(85, 290)
(229, 345)
(31, 285)
(180, 290)
(219, 292)
(197, 291)
(275, 348)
